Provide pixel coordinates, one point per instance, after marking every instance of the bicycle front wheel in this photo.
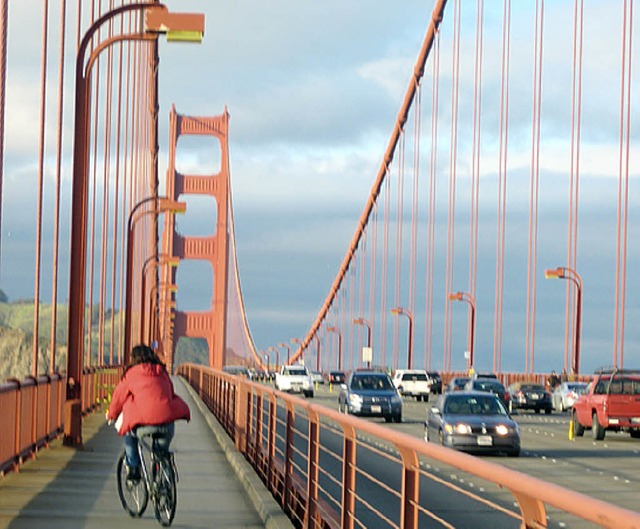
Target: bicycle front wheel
(166, 493)
(133, 494)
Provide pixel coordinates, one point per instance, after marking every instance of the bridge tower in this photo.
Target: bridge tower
(209, 324)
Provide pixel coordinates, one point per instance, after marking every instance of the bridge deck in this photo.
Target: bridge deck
(66, 488)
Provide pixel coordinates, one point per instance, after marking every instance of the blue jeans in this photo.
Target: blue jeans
(161, 442)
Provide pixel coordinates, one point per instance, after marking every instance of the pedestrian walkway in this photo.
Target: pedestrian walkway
(73, 489)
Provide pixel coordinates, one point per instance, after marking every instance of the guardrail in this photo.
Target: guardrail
(32, 410)
(280, 435)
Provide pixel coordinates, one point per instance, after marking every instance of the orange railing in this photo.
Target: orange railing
(32, 410)
(280, 435)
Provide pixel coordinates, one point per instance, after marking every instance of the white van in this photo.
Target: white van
(412, 383)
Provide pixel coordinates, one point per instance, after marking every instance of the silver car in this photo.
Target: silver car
(566, 394)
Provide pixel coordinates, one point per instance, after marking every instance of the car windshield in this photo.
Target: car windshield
(577, 387)
(474, 405)
(370, 382)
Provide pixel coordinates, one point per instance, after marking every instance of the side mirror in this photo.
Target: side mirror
(343, 386)
(435, 410)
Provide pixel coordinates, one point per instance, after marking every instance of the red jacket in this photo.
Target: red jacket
(145, 396)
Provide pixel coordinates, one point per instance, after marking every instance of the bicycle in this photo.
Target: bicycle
(160, 485)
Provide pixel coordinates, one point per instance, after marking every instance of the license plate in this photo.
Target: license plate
(535, 396)
(376, 409)
(485, 440)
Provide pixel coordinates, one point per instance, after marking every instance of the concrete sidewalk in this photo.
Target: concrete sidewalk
(73, 489)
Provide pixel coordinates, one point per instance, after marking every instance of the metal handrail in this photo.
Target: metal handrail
(32, 411)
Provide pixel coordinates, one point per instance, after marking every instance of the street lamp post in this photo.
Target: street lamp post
(362, 321)
(162, 204)
(157, 260)
(157, 20)
(564, 272)
(465, 296)
(272, 348)
(402, 311)
(337, 331)
(286, 346)
(155, 333)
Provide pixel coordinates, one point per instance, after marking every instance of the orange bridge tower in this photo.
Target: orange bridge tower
(209, 324)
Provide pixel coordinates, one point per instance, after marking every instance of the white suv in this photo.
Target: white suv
(412, 383)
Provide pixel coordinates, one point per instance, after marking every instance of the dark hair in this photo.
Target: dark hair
(143, 354)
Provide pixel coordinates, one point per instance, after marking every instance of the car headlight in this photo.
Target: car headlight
(460, 428)
(355, 400)
(501, 429)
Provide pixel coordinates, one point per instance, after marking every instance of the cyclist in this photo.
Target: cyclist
(144, 401)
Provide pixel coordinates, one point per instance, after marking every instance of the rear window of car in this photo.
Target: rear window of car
(488, 385)
(295, 371)
(414, 376)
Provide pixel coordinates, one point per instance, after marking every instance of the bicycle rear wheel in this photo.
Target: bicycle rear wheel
(133, 495)
(165, 491)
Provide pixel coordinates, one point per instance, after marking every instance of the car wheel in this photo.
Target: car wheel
(578, 429)
(440, 437)
(596, 429)
(426, 434)
(388, 418)
(548, 411)
(634, 433)
(397, 417)
(537, 410)
(514, 453)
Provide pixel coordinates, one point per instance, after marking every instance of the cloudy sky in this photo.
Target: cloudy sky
(313, 89)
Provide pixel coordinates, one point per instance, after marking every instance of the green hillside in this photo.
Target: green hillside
(16, 338)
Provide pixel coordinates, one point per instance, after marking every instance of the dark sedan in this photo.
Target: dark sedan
(372, 394)
(530, 396)
(473, 421)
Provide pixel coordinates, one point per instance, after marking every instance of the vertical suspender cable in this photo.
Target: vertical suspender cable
(623, 184)
(399, 229)
(385, 272)
(56, 213)
(125, 204)
(574, 174)
(116, 195)
(373, 269)
(502, 186)
(417, 118)
(431, 217)
(534, 187)
(106, 189)
(41, 148)
(452, 182)
(4, 18)
(475, 169)
(94, 203)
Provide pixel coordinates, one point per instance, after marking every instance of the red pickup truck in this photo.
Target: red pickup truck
(612, 402)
